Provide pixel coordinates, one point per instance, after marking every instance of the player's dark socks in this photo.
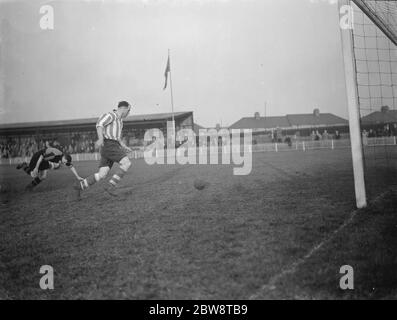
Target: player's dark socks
(22, 165)
(33, 184)
(36, 181)
(117, 177)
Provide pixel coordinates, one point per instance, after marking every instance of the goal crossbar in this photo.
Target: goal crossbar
(369, 8)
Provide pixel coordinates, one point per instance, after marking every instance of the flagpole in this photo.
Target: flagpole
(172, 96)
(264, 120)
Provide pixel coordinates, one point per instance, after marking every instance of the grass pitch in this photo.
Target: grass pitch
(163, 239)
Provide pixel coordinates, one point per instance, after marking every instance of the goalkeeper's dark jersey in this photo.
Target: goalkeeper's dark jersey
(51, 154)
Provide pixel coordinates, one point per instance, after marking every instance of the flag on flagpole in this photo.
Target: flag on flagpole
(167, 70)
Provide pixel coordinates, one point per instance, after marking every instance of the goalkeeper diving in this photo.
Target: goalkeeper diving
(43, 160)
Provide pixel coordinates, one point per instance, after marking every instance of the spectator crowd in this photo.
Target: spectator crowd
(11, 147)
(388, 130)
(72, 143)
(78, 142)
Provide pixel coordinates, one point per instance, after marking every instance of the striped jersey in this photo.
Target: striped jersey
(111, 124)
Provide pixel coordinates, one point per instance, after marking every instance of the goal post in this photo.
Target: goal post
(368, 31)
(353, 104)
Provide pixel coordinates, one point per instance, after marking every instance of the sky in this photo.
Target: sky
(229, 58)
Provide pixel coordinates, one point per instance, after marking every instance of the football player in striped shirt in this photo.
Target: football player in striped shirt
(43, 160)
(112, 149)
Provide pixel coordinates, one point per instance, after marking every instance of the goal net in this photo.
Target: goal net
(370, 56)
(375, 50)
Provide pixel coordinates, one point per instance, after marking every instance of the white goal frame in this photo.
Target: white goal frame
(353, 110)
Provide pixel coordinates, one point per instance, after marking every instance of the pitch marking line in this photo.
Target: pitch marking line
(292, 268)
(271, 285)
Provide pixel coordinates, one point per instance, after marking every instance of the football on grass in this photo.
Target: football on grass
(199, 184)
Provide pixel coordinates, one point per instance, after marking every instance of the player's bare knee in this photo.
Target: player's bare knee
(54, 166)
(102, 173)
(125, 164)
(42, 175)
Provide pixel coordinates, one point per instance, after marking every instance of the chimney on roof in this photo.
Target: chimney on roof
(384, 109)
(316, 112)
(257, 115)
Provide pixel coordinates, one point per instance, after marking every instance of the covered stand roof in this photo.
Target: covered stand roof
(314, 119)
(89, 122)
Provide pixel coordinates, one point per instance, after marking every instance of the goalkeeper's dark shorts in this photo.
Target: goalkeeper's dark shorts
(111, 152)
(44, 165)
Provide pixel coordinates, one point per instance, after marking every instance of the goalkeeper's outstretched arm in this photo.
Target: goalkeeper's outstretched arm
(57, 165)
(75, 173)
